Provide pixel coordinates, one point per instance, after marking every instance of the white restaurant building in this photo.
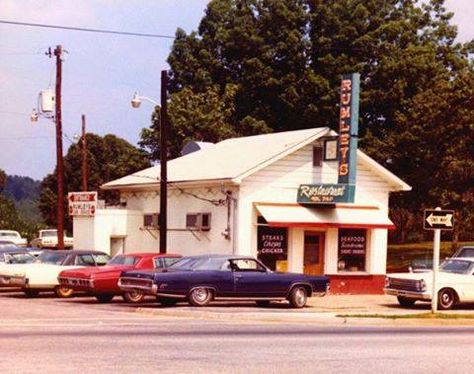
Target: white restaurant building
(240, 196)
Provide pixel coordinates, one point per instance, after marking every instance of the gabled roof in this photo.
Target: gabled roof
(234, 159)
(230, 159)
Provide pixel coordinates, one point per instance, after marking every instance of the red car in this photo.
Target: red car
(102, 281)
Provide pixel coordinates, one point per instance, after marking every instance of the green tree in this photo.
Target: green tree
(109, 158)
(3, 180)
(283, 60)
(207, 116)
(285, 57)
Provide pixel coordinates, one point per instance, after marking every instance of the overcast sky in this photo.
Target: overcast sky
(100, 73)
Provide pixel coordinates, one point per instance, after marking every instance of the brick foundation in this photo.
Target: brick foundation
(357, 284)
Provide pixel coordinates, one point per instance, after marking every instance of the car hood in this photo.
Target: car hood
(428, 276)
(22, 269)
(90, 272)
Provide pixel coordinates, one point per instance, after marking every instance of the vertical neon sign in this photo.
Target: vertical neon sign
(348, 128)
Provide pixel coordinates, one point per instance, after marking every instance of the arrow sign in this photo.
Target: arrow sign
(438, 219)
(82, 203)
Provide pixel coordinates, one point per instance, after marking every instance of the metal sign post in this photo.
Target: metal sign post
(437, 220)
(434, 293)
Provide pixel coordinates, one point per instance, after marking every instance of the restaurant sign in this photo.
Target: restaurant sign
(325, 193)
(272, 240)
(352, 242)
(82, 203)
(348, 128)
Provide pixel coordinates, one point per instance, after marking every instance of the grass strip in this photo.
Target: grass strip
(410, 316)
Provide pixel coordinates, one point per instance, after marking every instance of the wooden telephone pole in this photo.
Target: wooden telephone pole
(84, 155)
(163, 161)
(59, 149)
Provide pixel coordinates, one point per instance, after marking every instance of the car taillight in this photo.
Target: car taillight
(422, 285)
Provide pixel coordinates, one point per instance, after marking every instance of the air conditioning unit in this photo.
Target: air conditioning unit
(151, 220)
(198, 221)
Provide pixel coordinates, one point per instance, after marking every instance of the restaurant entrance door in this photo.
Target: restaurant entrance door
(313, 253)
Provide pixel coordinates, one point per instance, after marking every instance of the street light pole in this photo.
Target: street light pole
(136, 102)
(163, 161)
(59, 149)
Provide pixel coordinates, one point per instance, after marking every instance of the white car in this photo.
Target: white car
(42, 275)
(49, 239)
(14, 237)
(455, 284)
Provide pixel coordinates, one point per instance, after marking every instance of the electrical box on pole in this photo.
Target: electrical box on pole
(47, 101)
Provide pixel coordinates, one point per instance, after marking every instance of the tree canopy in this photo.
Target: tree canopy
(109, 158)
(275, 65)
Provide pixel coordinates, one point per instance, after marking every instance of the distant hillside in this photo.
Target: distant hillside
(19, 188)
(25, 192)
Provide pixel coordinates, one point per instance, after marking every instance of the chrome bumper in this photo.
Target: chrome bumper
(13, 280)
(128, 284)
(408, 294)
(76, 282)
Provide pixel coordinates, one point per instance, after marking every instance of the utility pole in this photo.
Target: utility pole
(59, 149)
(163, 161)
(84, 155)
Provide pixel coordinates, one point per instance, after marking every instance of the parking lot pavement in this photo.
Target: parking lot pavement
(328, 310)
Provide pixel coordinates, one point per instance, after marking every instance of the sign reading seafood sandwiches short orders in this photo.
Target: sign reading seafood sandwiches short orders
(344, 190)
(82, 203)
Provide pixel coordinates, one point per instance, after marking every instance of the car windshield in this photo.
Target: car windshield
(200, 263)
(457, 266)
(52, 258)
(101, 259)
(19, 258)
(123, 260)
(466, 252)
(46, 233)
(9, 234)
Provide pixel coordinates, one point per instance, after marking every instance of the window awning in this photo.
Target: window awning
(286, 215)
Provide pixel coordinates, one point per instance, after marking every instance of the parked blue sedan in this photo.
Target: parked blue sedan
(201, 279)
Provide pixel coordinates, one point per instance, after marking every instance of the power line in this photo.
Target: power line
(16, 113)
(25, 137)
(86, 29)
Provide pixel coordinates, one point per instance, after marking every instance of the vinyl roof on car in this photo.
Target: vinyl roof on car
(229, 257)
(75, 251)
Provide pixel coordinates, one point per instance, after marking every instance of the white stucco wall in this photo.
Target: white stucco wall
(276, 183)
(96, 232)
(279, 182)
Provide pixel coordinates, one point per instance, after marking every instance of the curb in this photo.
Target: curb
(314, 317)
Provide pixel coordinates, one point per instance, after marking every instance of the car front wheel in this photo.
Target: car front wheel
(64, 292)
(200, 296)
(298, 297)
(446, 299)
(133, 297)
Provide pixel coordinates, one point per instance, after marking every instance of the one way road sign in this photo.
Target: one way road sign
(438, 219)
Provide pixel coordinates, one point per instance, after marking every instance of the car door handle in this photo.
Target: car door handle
(238, 276)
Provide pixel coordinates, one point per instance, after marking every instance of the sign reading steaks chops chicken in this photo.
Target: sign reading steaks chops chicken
(352, 242)
(272, 240)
